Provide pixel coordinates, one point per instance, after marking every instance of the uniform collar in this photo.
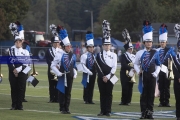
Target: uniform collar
(147, 50)
(129, 54)
(54, 48)
(107, 52)
(162, 48)
(89, 52)
(18, 48)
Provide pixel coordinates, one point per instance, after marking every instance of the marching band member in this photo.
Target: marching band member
(149, 61)
(66, 72)
(127, 60)
(164, 82)
(89, 76)
(24, 46)
(176, 72)
(107, 62)
(50, 54)
(17, 77)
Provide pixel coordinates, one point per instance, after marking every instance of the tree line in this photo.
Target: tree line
(70, 13)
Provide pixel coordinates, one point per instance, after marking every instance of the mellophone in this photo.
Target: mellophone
(131, 73)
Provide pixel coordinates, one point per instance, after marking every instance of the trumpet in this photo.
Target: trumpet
(34, 73)
(170, 72)
(131, 73)
(1, 75)
(55, 76)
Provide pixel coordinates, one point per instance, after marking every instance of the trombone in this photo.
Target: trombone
(129, 73)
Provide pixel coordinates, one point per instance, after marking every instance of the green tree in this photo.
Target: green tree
(36, 16)
(2, 24)
(170, 10)
(12, 10)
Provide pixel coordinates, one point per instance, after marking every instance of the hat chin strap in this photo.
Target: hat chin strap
(162, 40)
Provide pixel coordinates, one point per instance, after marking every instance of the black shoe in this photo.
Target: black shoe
(160, 105)
(108, 114)
(55, 101)
(13, 108)
(91, 103)
(20, 108)
(150, 117)
(86, 102)
(24, 100)
(68, 112)
(127, 104)
(167, 105)
(143, 115)
(149, 114)
(121, 103)
(100, 114)
(63, 112)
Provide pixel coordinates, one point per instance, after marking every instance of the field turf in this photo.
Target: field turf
(37, 107)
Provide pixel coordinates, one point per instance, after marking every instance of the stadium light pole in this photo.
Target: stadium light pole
(47, 17)
(91, 18)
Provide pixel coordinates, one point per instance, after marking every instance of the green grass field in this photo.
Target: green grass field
(37, 107)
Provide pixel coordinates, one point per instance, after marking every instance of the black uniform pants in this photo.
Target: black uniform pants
(64, 99)
(25, 88)
(177, 96)
(17, 88)
(147, 96)
(105, 90)
(127, 88)
(53, 92)
(164, 88)
(88, 91)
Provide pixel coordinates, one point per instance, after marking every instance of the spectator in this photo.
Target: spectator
(77, 52)
(138, 45)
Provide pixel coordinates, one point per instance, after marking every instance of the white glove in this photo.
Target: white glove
(89, 72)
(155, 75)
(19, 69)
(75, 73)
(59, 74)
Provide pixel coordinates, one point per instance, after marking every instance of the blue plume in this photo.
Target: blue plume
(89, 36)
(20, 27)
(63, 34)
(147, 29)
(162, 30)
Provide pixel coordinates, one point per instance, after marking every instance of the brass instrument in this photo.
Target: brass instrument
(170, 72)
(34, 73)
(1, 75)
(132, 77)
